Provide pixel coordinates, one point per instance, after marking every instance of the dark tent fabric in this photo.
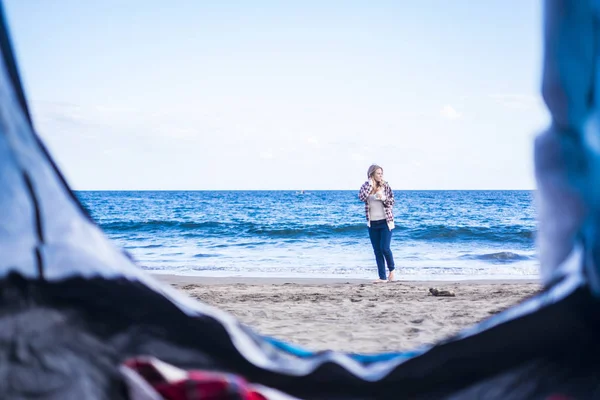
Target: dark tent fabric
(73, 307)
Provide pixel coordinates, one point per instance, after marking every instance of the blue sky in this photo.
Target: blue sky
(280, 95)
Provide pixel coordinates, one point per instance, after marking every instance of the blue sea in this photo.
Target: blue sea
(439, 235)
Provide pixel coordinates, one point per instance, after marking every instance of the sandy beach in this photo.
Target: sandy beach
(355, 315)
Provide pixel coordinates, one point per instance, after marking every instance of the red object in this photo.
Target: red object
(559, 397)
(173, 383)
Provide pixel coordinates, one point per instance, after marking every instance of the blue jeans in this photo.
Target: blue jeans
(381, 237)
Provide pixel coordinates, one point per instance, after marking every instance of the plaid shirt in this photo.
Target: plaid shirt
(388, 203)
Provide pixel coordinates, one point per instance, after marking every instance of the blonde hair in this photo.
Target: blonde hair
(372, 170)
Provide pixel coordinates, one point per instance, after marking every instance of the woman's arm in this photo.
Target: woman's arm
(365, 190)
(388, 201)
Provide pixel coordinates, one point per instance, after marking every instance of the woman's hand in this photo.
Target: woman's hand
(373, 187)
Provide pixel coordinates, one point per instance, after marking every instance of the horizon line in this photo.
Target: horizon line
(295, 190)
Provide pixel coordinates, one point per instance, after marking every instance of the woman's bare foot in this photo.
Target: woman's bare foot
(391, 276)
(380, 281)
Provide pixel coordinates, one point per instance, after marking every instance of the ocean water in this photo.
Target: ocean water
(439, 234)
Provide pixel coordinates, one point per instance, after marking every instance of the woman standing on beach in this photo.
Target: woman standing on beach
(379, 202)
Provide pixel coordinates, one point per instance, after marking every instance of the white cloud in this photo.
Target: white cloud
(313, 141)
(266, 155)
(450, 113)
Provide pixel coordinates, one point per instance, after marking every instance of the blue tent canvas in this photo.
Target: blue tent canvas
(73, 306)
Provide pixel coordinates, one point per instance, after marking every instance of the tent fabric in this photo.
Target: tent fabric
(73, 307)
(567, 154)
